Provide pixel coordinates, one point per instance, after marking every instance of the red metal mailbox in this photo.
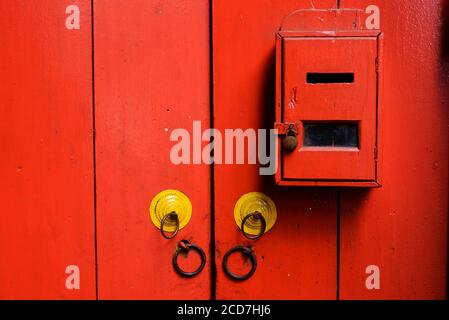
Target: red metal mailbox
(327, 111)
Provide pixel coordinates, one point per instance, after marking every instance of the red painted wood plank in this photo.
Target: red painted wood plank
(151, 77)
(46, 168)
(297, 258)
(402, 226)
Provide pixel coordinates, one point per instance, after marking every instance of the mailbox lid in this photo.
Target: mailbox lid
(330, 88)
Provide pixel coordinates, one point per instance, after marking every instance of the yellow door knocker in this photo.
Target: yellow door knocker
(255, 214)
(170, 211)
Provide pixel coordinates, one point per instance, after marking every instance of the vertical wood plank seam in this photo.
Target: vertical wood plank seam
(94, 149)
(213, 267)
(338, 226)
(338, 241)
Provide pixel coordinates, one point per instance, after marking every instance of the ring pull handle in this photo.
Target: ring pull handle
(248, 252)
(258, 216)
(185, 246)
(170, 216)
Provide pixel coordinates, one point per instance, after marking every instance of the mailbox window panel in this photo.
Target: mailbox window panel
(330, 88)
(151, 77)
(46, 163)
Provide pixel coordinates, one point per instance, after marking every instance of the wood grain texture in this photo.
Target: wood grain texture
(46, 167)
(297, 258)
(151, 77)
(402, 227)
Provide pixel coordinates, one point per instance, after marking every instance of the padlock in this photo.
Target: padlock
(290, 141)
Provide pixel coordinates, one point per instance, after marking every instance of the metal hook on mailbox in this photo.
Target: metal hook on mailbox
(290, 131)
(291, 140)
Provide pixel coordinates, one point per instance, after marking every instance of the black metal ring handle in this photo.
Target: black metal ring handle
(186, 246)
(247, 252)
(171, 215)
(257, 215)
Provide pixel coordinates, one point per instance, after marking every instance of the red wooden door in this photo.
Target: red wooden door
(46, 167)
(297, 259)
(72, 201)
(381, 243)
(151, 77)
(401, 228)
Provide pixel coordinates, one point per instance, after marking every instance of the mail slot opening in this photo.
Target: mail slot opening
(317, 78)
(331, 134)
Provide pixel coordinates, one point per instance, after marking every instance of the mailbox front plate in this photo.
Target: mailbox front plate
(330, 81)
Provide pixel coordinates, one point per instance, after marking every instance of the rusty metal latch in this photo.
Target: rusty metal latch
(287, 127)
(290, 130)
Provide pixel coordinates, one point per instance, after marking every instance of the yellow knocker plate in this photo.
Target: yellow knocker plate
(249, 204)
(167, 202)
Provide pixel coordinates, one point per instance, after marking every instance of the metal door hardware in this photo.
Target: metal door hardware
(248, 253)
(184, 246)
